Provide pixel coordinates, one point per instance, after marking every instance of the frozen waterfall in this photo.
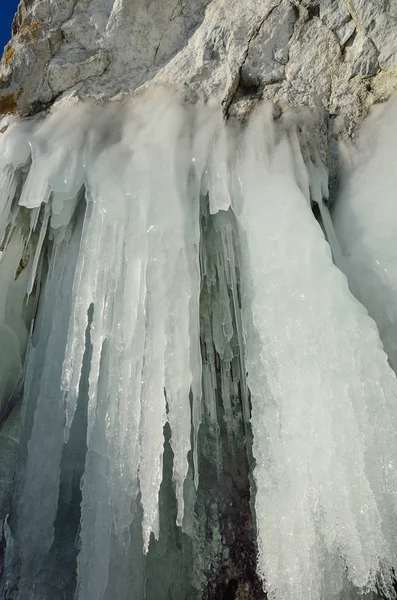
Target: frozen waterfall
(188, 376)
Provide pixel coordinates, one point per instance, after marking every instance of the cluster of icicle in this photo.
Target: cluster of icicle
(108, 200)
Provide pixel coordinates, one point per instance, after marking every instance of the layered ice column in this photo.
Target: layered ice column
(15, 265)
(324, 411)
(116, 207)
(110, 197)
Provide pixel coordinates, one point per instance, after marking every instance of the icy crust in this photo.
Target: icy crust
(110, 195)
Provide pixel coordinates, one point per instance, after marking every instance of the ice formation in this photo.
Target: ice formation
(323, 396)
(365, 219)
(101, 211)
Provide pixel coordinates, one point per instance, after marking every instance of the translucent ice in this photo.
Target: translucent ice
(102, 209)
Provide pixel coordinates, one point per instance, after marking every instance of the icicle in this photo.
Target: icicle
(98, 284)
(12, 346)
(301, 171)
(165, 345)
(14, 153)
(8, 186)
(330, 232)
(139, 269)
(43, 232)
(55, 148)
(36, 519)
(318, 183)
(230, 269)
(93, 559)
(218, 178)
(89, 287)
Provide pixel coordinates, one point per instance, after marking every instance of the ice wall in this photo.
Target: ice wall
(103, 210)
(323, 396)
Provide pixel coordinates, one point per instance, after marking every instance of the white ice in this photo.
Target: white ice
(324, 414)
(109, 217)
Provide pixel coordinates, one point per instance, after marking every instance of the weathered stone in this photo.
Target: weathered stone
(74, 65)
(379, 22)
(336, 17)
(299, 52)
(314, 76)
(362, 57)
(268, 52)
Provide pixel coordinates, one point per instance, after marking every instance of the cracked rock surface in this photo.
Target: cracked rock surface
(337, 57)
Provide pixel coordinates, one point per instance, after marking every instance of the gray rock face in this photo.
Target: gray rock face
(335, 56)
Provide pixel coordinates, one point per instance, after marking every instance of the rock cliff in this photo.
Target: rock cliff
(337, 57)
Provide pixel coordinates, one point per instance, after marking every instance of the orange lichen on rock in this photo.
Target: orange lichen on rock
(8, 53)
(27, 33)
(8, 104)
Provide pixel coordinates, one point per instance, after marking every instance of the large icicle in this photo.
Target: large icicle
(138, 267)
(42, 388)
(13, 342)
(324, 415)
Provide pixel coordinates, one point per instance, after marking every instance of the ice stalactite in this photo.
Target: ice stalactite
(166, 274)
(35, 533)
(138, 267)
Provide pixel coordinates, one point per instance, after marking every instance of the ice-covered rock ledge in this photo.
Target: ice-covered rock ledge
(333, 56)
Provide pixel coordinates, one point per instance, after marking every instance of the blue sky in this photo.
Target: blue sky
(8, 8)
